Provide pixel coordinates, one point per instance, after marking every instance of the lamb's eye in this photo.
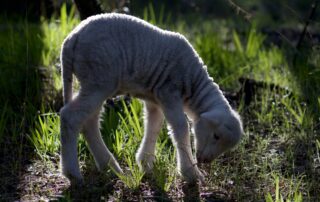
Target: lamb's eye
(216, 136)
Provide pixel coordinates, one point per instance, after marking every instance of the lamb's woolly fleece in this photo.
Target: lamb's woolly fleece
(142, 59)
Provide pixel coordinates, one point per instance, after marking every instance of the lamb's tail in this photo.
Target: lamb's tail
(67, 57)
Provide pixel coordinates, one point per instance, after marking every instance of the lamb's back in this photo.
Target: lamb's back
(145, 56)
(127, 37)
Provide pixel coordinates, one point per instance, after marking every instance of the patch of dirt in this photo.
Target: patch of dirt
(43, 182)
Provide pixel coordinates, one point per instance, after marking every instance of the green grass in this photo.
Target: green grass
(45, 136)
(296, 196)
(277, 160)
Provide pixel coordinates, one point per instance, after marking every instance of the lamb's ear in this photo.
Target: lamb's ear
(212, 117)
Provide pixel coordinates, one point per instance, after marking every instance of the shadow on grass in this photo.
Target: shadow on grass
(305, 68)
(107, 187)
(97, 188)
(191, 192)
(182, 191)
(301, 163)
(20, 98)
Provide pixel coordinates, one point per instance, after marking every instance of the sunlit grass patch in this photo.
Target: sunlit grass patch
(129, 131)
(230, 57)
(45, 137)
(164, 172)
(132, 178)
(54, 32)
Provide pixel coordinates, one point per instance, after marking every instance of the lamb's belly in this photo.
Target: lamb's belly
(142, 94)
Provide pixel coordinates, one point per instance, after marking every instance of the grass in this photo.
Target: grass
(277, 160)
(45, 136)
(296, 197)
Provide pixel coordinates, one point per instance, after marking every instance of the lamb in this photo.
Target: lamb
(112, 54)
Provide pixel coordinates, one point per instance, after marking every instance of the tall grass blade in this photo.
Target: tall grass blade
(237, 42)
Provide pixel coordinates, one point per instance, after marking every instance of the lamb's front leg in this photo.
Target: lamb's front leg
(175, 116)
(153, 121)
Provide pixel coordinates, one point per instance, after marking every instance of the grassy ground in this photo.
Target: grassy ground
(277, 160)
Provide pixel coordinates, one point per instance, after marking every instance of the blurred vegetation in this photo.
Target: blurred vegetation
(277, 160)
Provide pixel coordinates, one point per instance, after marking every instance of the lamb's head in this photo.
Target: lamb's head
(216, 132)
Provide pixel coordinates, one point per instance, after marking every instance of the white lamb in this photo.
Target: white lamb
(113, 54)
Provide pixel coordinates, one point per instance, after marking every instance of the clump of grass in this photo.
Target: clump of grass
(129, 131)
(54, 31)
(265, 114)
(159, 18)
(164, 171)
(248, 58)
(45, 135)
(297, 111)
(133, 179)
(293, 195)
(109, 123)
(126, 140)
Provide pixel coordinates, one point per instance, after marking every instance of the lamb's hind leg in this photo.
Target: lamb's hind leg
(102, 156)
(153, 121)
(73, 115)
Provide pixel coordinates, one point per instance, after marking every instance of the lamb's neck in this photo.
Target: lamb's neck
(208, 98)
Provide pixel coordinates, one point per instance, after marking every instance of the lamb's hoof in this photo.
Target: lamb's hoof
(115, 167)
(117, 172)
(145, 162)
(76, 181)
(193, 175)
